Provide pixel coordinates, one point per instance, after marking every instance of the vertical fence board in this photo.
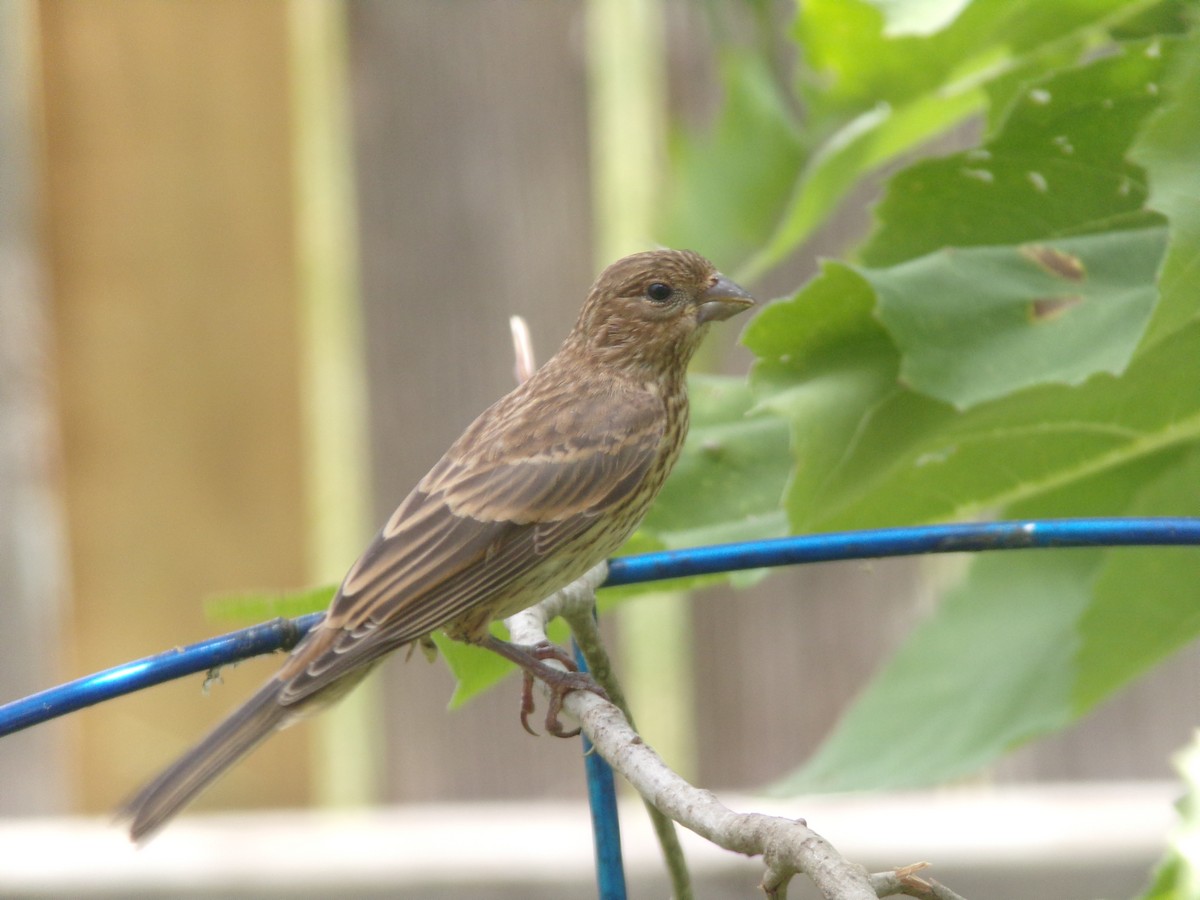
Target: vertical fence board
(473, 197)
(171, 259)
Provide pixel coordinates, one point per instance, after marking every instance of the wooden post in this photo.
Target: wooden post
(171, 255)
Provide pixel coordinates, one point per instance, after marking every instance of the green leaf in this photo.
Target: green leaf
(859, 58)
(755, 122)
(863, 145)
(828, 317)
(1007, 653)
(1163, 17)
(1172, 881)
(1004, 89)
(1178, 876)
(869, 449)
(875, 95)
(915, 460)
(477, 670)
(1147, 601)
(1167, 150)
(255, 606)
(882, 452)
(1057, 167)
(990, 669)
(882, 455)
(977, 324)
(824, 361)
(917, 17)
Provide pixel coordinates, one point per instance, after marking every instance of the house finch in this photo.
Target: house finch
(546, 483)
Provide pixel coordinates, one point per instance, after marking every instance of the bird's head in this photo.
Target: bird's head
(649, 311)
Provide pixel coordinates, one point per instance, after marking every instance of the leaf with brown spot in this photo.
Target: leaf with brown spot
(974, 324)
(1055, 262)
(1047, 309)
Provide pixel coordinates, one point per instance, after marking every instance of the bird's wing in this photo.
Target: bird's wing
(475, 523)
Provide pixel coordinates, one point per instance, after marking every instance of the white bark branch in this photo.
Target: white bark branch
(787, 846)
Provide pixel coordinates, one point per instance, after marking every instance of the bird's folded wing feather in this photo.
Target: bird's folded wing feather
(471, 527)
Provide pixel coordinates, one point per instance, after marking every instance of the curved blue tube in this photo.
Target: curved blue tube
(280, 634)
(283, 634)
(906, 541)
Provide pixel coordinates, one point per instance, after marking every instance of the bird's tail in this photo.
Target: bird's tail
(155, 804)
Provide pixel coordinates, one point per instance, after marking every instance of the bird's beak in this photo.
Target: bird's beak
(721, 300)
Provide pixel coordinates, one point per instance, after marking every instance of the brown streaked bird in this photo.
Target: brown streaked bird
(547, 482)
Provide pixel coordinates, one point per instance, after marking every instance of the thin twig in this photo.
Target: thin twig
(905, 882)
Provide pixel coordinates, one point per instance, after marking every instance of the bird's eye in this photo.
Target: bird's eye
(659, 292)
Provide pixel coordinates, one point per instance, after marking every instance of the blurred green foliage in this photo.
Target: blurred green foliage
(1178, 876)
(1018, 335)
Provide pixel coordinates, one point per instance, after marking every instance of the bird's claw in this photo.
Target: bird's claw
(527, 705)
(560, 684)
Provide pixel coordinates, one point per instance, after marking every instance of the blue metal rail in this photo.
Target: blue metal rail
(908, 541)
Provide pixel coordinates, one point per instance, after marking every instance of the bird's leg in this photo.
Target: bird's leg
(531, 659)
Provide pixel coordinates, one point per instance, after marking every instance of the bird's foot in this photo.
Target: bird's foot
(532, 659)
(560, 684)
